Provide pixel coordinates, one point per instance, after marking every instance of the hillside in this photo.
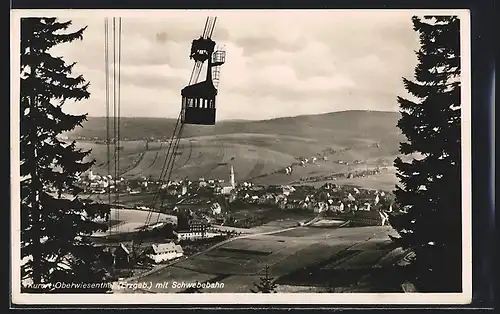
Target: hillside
(258, 150)
(367, 123)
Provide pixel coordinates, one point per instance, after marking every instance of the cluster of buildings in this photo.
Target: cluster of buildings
(187, 229)
(329, 197)
(123, 255)
(96, 183)
(208, 198)
(100, 184)
(360, 173)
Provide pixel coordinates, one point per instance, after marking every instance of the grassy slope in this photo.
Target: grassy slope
(254, 147)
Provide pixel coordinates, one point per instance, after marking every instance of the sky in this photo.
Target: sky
(278, 63)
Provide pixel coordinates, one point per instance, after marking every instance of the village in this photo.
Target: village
(212, 199)
(202, 213)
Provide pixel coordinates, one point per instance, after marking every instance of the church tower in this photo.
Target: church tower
(233, 183)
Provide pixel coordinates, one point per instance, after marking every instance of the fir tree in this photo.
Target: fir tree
(54, 221)
(430, 190)
(266, 284)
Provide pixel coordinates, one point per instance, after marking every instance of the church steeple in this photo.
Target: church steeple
(233, 183)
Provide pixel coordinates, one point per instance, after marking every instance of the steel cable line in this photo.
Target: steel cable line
(167, 174)
(119, 92)
(159, 190)
(207, 33)
(115, 150)
(108, 156)
(173, 158)
(162, 173)
(197, 66)
(212, 27)
(107, 102)
(168, 164)
(206, 27)
(116, 108)
(148, 167)
(190, 153)
(117, 111)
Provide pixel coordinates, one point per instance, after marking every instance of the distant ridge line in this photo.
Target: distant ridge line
(267, 119)
(325, 126)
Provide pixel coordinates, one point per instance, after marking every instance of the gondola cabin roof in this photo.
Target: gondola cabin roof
(204, 89)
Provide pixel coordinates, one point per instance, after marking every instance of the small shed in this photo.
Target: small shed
(123, 255)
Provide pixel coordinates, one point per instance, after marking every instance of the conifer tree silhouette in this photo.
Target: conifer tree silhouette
(54, 221)
(430, 190)
(266, 284)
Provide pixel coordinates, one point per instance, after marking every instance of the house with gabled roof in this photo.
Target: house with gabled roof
(164, 252)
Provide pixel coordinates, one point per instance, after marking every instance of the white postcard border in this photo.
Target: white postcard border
(238, 298)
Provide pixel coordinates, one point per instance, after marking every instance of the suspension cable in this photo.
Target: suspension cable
(162, 171)
(170, 154)
(107, 96)
(115, 148)
(171, 150)
(107, 118)
(212, 27)
(207, 32)
(118, 135)
(170, 170)
(197, 72)
(206, 27)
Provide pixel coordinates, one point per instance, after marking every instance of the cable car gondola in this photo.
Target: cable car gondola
(198, 103)
(198, 107)
(199, 99)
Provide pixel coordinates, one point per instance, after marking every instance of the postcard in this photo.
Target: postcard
(241, 157)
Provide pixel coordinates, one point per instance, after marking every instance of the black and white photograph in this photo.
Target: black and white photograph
(246, 156)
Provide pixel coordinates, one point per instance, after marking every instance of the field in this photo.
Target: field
(258, 150)
(129, 220)
(385, 181)
(298, 257)
(256, 215)
(328, 223)
(142, 199)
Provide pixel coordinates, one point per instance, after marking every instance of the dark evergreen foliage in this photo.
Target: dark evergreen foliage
(54, 221)
(430, 189)
(266, 284)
